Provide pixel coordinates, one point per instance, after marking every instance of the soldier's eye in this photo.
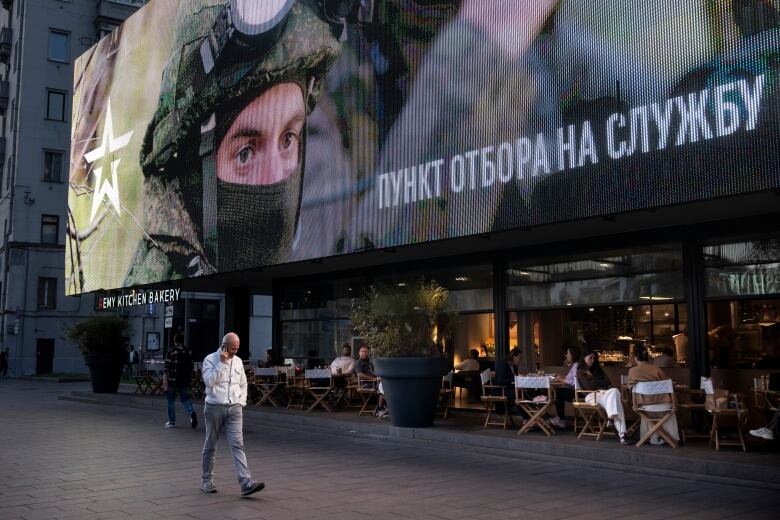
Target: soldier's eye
(244, 154)
(288, 139)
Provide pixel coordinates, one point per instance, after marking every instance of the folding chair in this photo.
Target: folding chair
(593, 415)
(267, 383)
(627, 399)
(317, 388)
(651, 412)
(446, 393)
(492, 395)
(367, 388)
(534, 403)
(717, 403)
(352, 392)
(143, 384)
(296, 388)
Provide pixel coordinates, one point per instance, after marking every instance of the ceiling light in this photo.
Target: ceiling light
(462, 278)
(591, 309)
(402, 284)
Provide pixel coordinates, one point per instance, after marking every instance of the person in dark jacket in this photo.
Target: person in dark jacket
(591, 376)
(178, 374)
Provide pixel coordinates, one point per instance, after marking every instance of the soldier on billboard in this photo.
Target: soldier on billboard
(223, 155)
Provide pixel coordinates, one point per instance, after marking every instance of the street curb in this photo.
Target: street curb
(55, 379)
(591, 454)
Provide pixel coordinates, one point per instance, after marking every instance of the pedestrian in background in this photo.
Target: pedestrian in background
(177, 378)
(3, 363)
(226, 388)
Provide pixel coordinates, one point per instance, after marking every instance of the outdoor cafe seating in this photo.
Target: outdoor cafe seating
(724, 408)
(593, 416)
(492, 395)
(267, 383)
(535, 395)
(656, 414)
(319, 384)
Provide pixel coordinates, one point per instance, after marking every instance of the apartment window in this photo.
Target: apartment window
(47, 293)
(55, 105)
(49, 229)
(52, 166)
(59, 45)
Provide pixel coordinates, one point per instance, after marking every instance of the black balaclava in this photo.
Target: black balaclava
(255, 223)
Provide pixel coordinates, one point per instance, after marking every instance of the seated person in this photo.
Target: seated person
(467, 375)
(506, 370)
(268, 362)
(665, 360)
(365, 370)
(344, 364)
(471, 364)
(767, 432)
(645, 371)
(591, 376)
(565, 393)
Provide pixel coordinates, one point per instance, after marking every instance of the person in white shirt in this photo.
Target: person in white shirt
(226, 386)
(345, 362)
(471, 364)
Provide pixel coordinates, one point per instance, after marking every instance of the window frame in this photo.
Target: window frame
(64, 94)
(52, 220)
(59, 179)
(61, 32)
(47, 293)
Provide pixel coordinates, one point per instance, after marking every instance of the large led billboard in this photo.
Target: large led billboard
(219, 135)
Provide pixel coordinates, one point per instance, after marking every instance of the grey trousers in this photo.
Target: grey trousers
(232, 419)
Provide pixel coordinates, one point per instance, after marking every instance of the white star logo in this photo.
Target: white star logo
(108, 145)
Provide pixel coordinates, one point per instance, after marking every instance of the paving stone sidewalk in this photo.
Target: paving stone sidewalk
(64, 459)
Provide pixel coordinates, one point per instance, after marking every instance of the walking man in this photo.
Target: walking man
(226, 386)
(176, 380)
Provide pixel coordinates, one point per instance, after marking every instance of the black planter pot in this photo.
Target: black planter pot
(411, 387)
(105, 372)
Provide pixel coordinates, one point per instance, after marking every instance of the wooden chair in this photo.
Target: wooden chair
(491, 396)
(446, 394)
(297, 389)
(367, 389)
(656, 414)
(266, 381)
(627, 399)
(318, 388)
(717, 403)
(593, 415)
(353, 397)
(535, 403)
(690, 405)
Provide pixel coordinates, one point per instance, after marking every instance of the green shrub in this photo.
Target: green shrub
(400, 321)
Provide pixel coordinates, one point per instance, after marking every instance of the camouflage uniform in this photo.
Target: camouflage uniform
(185, 228)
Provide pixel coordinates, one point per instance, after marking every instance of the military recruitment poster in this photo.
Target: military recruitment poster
(219, 135)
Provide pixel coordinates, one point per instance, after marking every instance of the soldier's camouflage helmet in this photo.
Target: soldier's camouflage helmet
(211, 66)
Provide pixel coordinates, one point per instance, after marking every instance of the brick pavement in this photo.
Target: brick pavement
(64, 459)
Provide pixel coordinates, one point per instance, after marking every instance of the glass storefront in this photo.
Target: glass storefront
(607, 302)
(742, 282)
(315, 322)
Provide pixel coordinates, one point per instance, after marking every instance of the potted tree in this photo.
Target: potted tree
(400, 324)
(103, 343)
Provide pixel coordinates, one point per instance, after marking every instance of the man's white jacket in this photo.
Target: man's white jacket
(225, 382)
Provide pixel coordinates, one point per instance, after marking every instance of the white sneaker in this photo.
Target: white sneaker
(169, 424)
(382, 413)
(764, 433)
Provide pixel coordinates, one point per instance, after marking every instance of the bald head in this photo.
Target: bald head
(230, 343)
